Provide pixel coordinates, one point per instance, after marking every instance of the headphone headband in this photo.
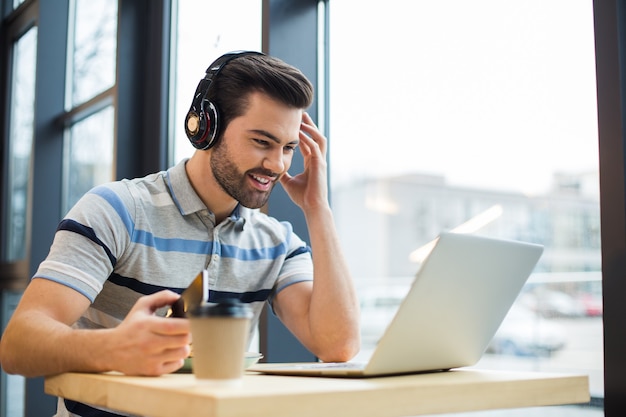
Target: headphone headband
(201, 123)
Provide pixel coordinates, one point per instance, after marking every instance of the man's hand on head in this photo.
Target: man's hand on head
(309, 189)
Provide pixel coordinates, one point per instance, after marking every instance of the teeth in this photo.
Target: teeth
(261, 180)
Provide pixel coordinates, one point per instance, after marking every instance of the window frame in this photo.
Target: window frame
(610, 32)
(18, 22)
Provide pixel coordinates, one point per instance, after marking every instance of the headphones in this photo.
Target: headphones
(202, 122)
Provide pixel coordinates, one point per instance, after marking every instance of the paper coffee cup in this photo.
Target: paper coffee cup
(219, 335)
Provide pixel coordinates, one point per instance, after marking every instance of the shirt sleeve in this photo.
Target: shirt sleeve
(89, 240)
(298, 264)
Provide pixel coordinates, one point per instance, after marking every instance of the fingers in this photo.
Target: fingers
(306, 118)
(164, 363)
(163, 333)
(310, 136)
(175, 352)
(156, 346)
(178, 330)
(150, 303)
(147, 344)
(170, 367)
(167, 352)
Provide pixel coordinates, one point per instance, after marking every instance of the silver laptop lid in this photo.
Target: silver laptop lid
(459, 297)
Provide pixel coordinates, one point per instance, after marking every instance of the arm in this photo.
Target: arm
(39, 339)
(324, 314)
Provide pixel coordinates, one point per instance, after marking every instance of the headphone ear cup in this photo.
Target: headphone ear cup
(201, 126)
(202, 123)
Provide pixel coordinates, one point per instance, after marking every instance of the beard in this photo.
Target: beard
(235, 183)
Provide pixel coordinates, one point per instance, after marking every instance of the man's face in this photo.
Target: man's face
(256, 150)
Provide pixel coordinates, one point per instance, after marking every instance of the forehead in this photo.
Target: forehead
(270, 117)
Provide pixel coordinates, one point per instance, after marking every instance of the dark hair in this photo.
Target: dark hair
(244, 75)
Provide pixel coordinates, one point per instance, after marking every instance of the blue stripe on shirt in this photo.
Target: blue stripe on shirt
(118, 205)
(253, 254)
(171, 245)
(186, 245)
(202, 247)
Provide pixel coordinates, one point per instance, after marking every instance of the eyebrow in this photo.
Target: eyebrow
(271, 136)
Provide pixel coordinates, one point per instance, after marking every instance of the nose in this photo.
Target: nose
(276, 161)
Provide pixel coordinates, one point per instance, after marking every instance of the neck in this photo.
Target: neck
(210, 192)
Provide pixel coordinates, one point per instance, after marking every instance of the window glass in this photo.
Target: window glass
(445, 112)
(93, 49)
(22, 101)
(19, 166)
(207, 29)
(89, 147)
(89, 154)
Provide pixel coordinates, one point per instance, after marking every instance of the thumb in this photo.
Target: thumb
(150, 303)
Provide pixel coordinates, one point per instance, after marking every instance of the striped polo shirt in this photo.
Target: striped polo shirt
(135, 237)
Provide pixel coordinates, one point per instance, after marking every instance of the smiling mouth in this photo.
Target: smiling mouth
(262, 180)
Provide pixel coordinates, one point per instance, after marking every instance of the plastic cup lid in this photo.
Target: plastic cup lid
(229, 307)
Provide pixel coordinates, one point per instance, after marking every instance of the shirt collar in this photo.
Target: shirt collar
(183, 194)
(185, 197)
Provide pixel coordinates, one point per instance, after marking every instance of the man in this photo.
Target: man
(124, 252)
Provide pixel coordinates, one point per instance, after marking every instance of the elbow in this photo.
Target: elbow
(5, 360)
(344, 344)
(342, 350)
(12, 357)
(11, 362)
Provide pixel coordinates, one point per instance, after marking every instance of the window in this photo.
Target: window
(21, 42)
(94, 47)
(206, 30)
(444, 112)
(19, 159)
(16, 3)
(21, 130)
(90, 118)
(90, 153)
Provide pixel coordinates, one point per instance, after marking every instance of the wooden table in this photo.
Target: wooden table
(288, 396)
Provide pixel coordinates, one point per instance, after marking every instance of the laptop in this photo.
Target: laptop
(456, 303)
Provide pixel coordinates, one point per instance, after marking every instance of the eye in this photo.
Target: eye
(290, 148)
(261, 142)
